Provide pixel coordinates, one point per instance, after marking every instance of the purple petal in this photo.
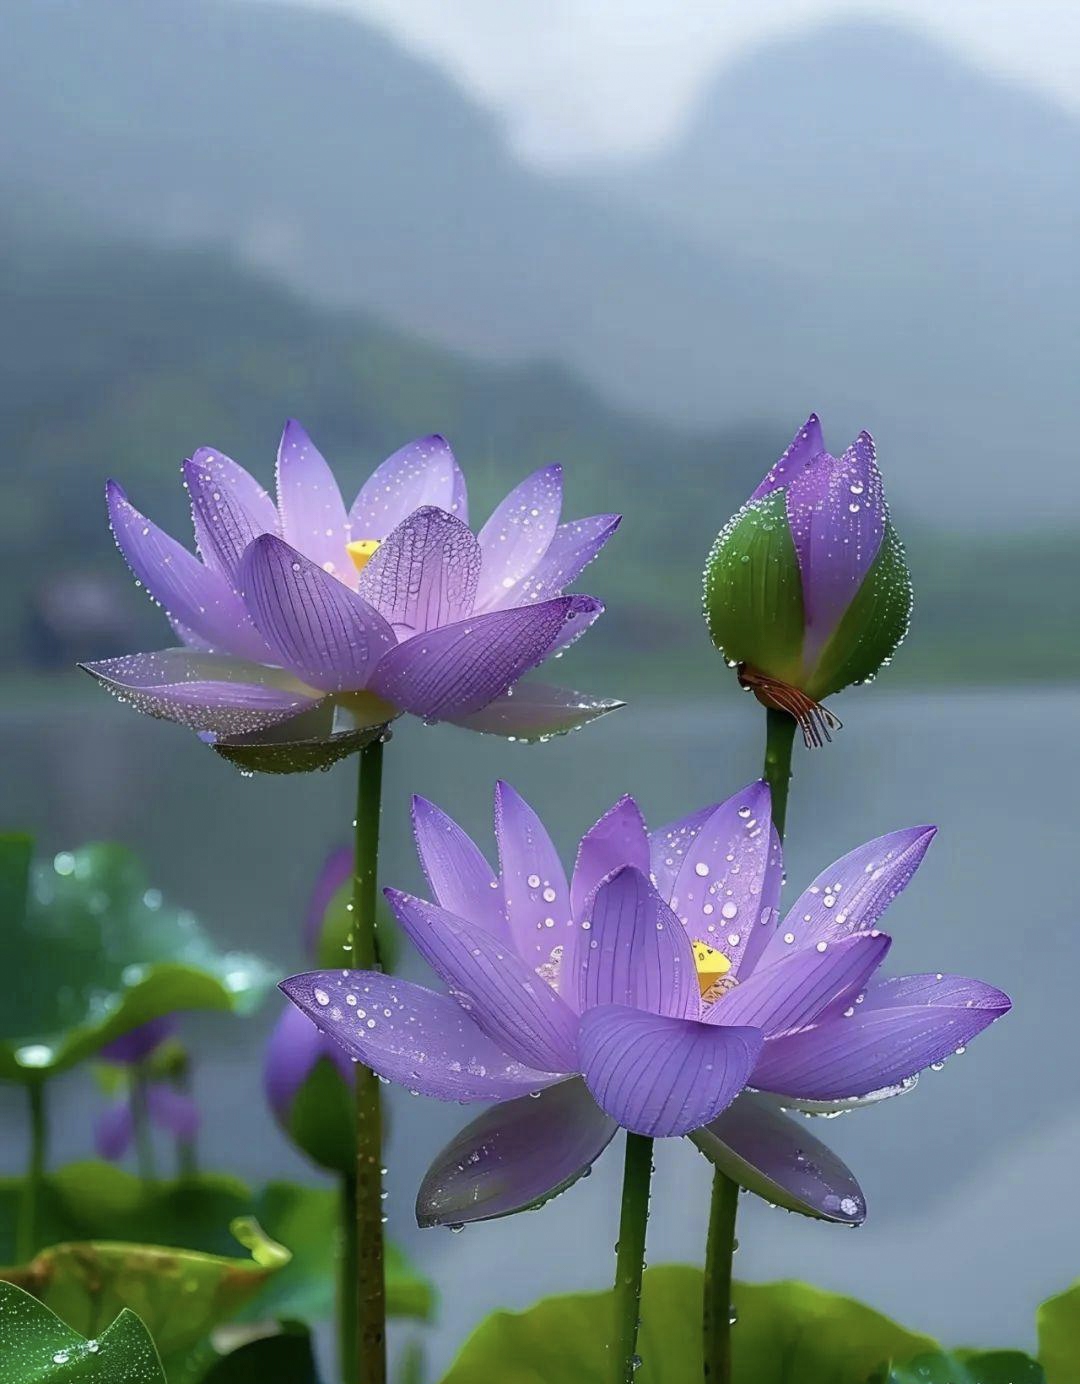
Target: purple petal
(793, 992)
(766, 1152)
(836, 509)
(618, 838)
(424, 574)
(535, 896)
(769, 917)
(901, 1027)
(804, 446)
(229, 509)
(852, 894)
(515, 1156)
(205, 692)
(191, 594)
(320, 629)
(421, 473)
(718, 889)
(630, 949)
(411, 1035)
(335, 873)
(662, 1076)
(501, 994)
(295, 1046)
(460, 877)
(572, 548)
(173, 1111)
(668, 846)
(114, 1130)
(455, 671)
(535, 711)
(586, 610)
(313, 517)
(138, 1043)
(517, 536)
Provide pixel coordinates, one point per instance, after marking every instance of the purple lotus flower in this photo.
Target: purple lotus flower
(137, 1044)
(656, 990)
(391, 606)
(806, 588)
(168, 1109)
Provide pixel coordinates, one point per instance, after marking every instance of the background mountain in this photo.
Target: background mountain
(853, 221)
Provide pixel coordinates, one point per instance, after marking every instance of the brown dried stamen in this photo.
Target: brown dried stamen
(814, 720)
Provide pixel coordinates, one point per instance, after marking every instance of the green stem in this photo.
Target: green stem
(720, 1247)
(187, 1153)
(140, 1120)
(630, 1255)
(27, 1235)
(347, 1277)
(368, 1362)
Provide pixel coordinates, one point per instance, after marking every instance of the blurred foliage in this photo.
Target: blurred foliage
(287, 1356)
(1059, 1336)
(99, 952)
(121, 359)
(966, 1367)
(36, 1347)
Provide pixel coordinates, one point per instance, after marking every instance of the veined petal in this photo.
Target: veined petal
(421, 473)
(450, 673)
(518, 534)
(717, 891)
(620, 837)
(229, 509)
(336, 871)
(320, 629)
(411, 1035)
(424, 573)
(794, 991)
(769, 916)
(313, 518)
(768, 1153)
(572, 548)
(852, 894)
(535, 711)
(837, 512)
(501, 994)
(459, 875)
(668, 846)
(904, 1025)
(661, 1076)
(630, 949)
(515, 1156)
(205, 692)
(190, 593)
(807, 443)
(585, 611)
(295, 1046)
(535, 896)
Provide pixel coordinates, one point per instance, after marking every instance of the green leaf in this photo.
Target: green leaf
(98, 952)
(753, 591)
(95, 1201)
(965, 1367)
(36, 1347)
(1058, 1321)
(322, 1118)
(287, 1356)
(873, 626)
(786, 1333)
(181, 1294)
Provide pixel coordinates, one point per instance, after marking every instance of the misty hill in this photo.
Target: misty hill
(119, 359)
(854, 222)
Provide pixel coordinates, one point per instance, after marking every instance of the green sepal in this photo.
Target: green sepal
(297, 746)
(322, 1119)
(36, 1347)
(873, 626)
(753, 591)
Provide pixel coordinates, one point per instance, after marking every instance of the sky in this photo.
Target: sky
(583, 80)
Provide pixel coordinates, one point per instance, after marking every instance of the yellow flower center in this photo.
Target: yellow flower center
(361, 550)
(713, 971)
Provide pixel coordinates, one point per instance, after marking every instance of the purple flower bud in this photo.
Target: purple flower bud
(138, 1043)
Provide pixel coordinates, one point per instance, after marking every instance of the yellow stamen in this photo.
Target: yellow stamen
(361, 550)
(712, 967)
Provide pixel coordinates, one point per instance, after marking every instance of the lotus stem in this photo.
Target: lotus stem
(140, 1121)
(720, 1246)
(364, 1338)
(630, 1255)
(29, 1207)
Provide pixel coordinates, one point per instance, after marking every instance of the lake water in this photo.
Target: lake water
(971, 1179)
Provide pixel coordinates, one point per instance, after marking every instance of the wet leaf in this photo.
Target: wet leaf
(180, 1294)
(36, 1347)
(98, 952)
(1058, 1322)
(787, 1333)
(965, 1367)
